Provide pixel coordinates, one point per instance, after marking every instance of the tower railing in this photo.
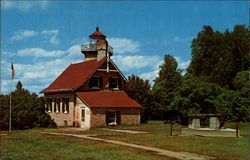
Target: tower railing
(88, 47)
(110, 49)
(93, 47)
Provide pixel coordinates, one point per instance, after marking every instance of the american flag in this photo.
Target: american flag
(12, 72)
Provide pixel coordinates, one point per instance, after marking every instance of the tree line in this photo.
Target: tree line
(27, 110)
(216, 81)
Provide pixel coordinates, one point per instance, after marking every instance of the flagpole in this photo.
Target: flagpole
(12, 74)
(10, 104)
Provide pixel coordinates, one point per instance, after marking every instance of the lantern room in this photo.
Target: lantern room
(97, 48)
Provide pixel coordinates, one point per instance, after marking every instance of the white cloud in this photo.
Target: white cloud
(24, 6)
(6, 4)
(150, 75)
(155, 73)
(182, 39)
(37, 76)
(39, 73)
(19, 35)
(123, 45)
(127, 63)
(39, 52)
(46, 70)
(182, 64)
(51, 35)
(131, 63)
(74, 50)
(6, 86)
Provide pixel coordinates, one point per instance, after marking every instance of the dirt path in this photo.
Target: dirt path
(178, 155)
(124, 131)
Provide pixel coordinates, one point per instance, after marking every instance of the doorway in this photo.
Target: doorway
(113, 117)
(83, 118)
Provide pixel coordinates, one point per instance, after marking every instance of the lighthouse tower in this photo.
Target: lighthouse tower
(97, 48)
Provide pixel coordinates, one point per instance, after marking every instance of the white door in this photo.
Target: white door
(83, 118)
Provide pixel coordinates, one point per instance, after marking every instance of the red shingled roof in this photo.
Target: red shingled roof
(97, 33)
(107, 99)
(74, 76)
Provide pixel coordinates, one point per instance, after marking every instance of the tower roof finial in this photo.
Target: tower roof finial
(97, 34)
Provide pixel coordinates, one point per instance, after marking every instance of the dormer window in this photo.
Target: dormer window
(113, 83)
(95, 82)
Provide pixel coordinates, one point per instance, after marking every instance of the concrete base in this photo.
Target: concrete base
(208, 132)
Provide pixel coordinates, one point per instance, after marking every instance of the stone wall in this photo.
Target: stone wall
(63, 119)
(128, 116)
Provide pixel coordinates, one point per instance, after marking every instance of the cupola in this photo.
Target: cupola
(97, 48)
(97, 34)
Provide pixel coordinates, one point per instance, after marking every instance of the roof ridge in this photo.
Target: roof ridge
(100, 91)
(84, 61)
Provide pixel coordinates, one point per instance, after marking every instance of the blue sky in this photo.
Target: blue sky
(42, 38)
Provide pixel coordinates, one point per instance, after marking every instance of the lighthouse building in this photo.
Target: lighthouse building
(90, 93)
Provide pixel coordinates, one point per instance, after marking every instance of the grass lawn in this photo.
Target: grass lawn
(219, 147)
(30, 144)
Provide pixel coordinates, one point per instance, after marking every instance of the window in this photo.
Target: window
(49, 104)
(54, 102)
(58, 102)
(113, 83)
(63, 105)
(96, 82)
(46, 105)
(66, 105)
(65, 122)
(83, 114)
(111, 117)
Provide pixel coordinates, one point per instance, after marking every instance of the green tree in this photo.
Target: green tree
(195, 96)
(165, 86)
(27, 110)
(217, 57)
(4, 111)
(218, 76)
(139, 90)
(233, 105)
(242, 80)
(19, 86)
